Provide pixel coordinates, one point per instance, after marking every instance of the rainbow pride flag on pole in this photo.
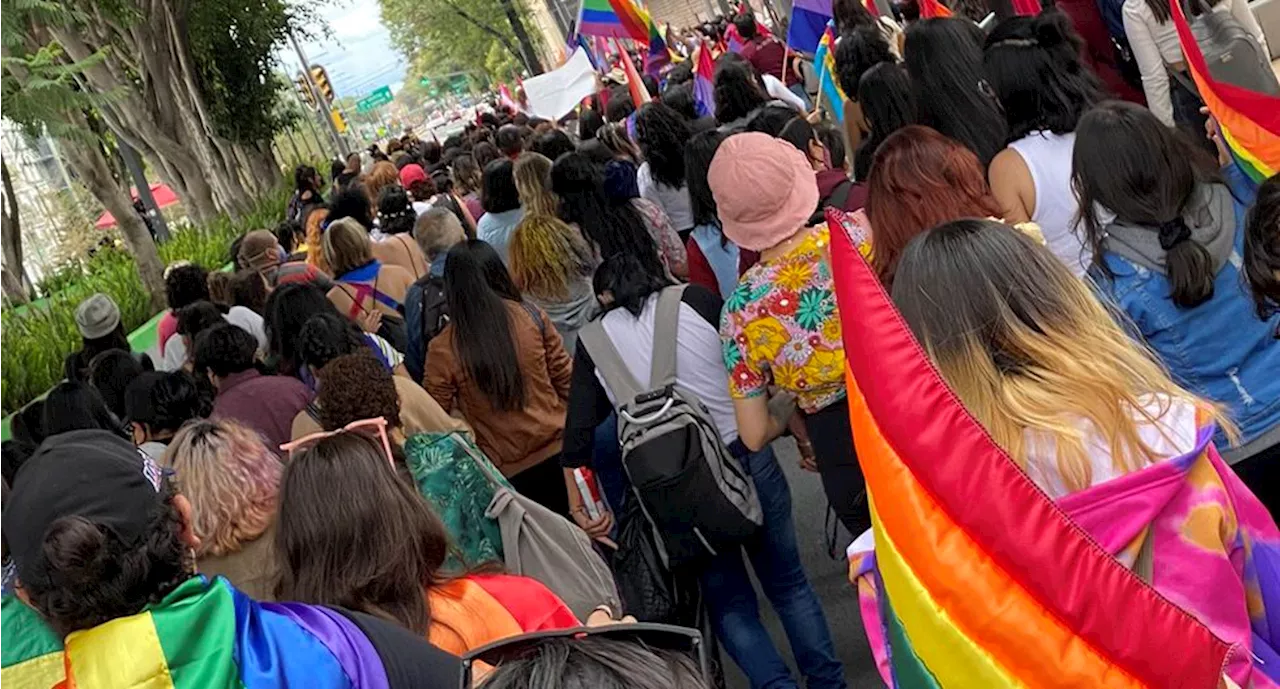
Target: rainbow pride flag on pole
(825, 62)
(1250, 121)
(983, 580)
(613, 19)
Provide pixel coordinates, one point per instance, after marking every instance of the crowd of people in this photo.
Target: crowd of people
(410, 425)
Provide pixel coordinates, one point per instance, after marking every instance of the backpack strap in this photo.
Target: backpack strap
(609, 363)
(537, 317)
(666, 323)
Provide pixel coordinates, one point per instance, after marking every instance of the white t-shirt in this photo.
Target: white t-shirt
(1173, 435)
(1155, 44)
(175, 352)
(699, 361)
(1048, 158)
(674, 201)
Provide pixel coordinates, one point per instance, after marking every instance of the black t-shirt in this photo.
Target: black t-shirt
(409, 660)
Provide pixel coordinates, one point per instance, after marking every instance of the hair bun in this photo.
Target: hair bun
(1049, 33)
(75, 548)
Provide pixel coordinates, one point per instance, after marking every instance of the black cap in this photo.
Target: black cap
(92, 474)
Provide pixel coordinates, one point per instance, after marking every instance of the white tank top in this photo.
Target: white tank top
(1048, 157)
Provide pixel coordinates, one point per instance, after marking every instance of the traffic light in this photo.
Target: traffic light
(321, 77)
(339, 122)
(305, 89)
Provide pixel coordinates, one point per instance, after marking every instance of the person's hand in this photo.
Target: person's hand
(1213, 130)
(602, 616)
(816, 116)
(370, 320)
(597, 529)
(808, 460)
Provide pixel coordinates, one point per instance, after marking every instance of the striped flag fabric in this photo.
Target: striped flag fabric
(204, 634)
(974, 589)
(824, 60)
(639, 94)
(808, 21)
(704, 81)
(1250, 121)
(613, 19)
(659, 55)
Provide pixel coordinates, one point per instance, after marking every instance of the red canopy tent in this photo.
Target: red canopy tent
(163, 195)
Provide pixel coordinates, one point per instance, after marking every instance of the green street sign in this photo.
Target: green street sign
(378, 98)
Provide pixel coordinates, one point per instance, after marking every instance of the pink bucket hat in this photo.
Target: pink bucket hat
(764, 188)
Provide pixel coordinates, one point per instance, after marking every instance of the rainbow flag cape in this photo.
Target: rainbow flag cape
(613, 19)
(825, 61)
(205, 634)
(985, 582)
(1250, 121)
(704, 70)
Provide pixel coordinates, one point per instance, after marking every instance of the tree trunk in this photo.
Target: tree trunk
(94, 170)
(522, 37)
(16, 284)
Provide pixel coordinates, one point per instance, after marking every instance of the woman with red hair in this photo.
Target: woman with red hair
(921, 179)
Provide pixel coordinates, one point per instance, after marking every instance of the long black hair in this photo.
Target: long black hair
(857, 52)
(498, 187)
(662, 134)
(628, 281)
(613, 227)
(1128, 162)
(697, 162)
(1033, 66)
(888, 104)
(589, 123)
(944, 58)
(1262, 248)
(476, 284)
(289, 308)
(75, 406)
(850, 15)
(737, 89)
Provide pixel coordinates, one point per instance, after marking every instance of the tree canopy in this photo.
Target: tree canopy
(441, 36)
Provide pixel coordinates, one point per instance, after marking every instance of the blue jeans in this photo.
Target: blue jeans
(735, 613)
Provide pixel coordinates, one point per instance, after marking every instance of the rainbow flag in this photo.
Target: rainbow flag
(659, 55)
(1250, 121)
(613, 19)
(704, 71)
(984, 581)
(825, 61)
(204, 634)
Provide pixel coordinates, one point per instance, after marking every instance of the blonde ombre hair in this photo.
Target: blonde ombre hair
(1027, 346)
(231, 479)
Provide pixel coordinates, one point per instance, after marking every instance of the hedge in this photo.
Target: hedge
(37, 340)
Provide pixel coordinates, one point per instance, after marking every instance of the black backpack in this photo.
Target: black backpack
(435, 311)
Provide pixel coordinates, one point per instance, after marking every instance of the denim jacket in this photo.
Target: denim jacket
(1218, 350)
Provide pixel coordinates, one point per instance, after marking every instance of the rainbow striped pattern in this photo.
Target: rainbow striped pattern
(825, 60)
(984, 581)
(614, 19)
(203, 634)
(1250, 121)
(659, 55)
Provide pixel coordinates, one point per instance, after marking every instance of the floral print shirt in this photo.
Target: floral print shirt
(780, 327)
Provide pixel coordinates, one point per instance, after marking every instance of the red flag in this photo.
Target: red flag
(872, 7)
(639, 94)
(933, 8)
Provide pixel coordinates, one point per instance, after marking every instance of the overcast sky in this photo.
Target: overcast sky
(359, 56)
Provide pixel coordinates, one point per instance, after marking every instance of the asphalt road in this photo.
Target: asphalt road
(829, 577)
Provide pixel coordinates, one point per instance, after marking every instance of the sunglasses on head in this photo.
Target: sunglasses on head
(661, 637)
(375, 429)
